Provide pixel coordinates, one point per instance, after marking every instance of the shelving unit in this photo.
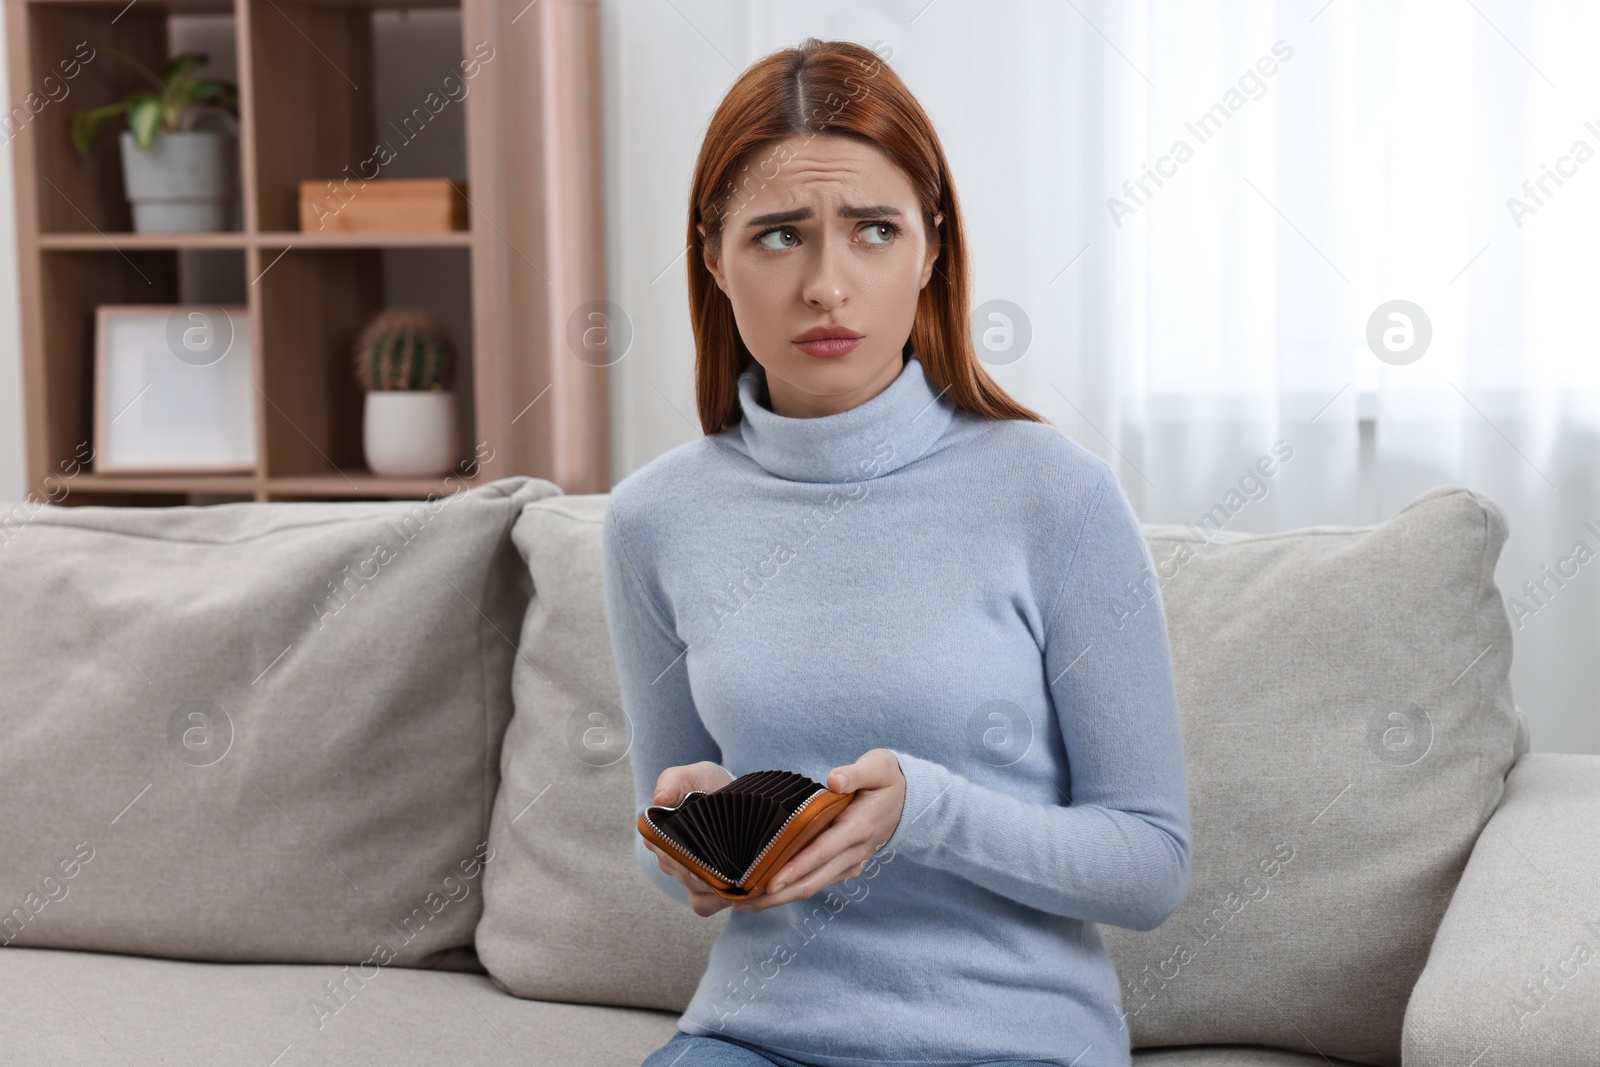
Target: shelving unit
(307, 71)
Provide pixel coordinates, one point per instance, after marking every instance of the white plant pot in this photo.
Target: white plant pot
(183, 184)
(407, 432)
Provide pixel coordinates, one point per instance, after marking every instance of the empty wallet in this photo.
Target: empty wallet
(736, 837)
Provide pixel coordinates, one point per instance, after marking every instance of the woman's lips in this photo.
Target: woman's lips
(828, 346)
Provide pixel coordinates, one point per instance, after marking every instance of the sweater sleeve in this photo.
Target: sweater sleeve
(651, 667)
(1117, 850)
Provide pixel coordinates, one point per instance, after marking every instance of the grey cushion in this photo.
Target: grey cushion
(206, 752)
(1292, 653)
(87, 1009)
(1514, 966)
(1230, 1056)
(567, 913)
(1348, 724)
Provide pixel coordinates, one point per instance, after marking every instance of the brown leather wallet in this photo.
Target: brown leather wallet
(737, 837)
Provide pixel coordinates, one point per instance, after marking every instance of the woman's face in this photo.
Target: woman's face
(836, 238)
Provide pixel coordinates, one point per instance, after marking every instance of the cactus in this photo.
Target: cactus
(405, 350)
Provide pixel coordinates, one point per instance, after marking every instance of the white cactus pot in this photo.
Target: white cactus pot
(183, 184)
(408, 432)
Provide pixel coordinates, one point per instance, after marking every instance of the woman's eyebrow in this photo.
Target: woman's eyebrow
(847, 211)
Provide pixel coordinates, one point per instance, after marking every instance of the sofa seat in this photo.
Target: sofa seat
(87, 1009)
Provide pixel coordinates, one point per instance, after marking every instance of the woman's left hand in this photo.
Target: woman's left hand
(850, 841)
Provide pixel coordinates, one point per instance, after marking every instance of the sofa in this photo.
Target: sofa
(348, 782)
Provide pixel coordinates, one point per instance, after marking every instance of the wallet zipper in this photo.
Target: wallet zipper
(689, 857)
(677, 848)
(775, 837)
(759, 856)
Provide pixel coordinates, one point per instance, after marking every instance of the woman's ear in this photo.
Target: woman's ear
(935, 243)
(716, 272)
(710, 259)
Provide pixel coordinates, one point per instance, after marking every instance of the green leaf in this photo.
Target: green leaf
(87, 124)
(222, 94)
(145, 118)
(180, 66)
(140, 67)
(166, 108)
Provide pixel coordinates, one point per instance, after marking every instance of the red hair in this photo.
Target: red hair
(835, 88)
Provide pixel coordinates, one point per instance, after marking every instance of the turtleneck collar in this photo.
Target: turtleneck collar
(873, 438)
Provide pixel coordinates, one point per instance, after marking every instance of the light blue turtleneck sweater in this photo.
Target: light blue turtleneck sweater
(974, 595)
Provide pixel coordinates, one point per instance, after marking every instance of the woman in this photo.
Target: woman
(878, 570)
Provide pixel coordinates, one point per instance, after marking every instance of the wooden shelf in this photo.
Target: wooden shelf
(528, 146)
(179, 7)
(118, 240)
(163, 483)
(367, 485)
(282, 239)
(334, 485)
(209, 7)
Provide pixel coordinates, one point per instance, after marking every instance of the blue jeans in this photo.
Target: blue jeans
(694, 1050)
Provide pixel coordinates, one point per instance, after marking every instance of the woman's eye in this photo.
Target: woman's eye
(891, 231)
(761, 238)
(879, 233)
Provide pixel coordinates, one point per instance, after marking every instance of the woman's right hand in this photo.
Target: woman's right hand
(672, 786)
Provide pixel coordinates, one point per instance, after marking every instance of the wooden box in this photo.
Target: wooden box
(383, 205)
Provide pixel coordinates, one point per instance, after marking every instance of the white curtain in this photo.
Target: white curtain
(1199, 207)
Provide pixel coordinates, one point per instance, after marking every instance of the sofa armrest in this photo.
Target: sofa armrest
(1513, 977)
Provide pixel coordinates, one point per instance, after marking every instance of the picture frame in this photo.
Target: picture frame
(173, 389)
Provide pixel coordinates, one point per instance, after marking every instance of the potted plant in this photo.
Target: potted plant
(178, 175)
(406, 363)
